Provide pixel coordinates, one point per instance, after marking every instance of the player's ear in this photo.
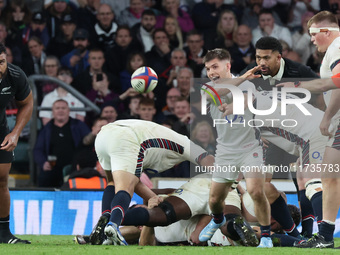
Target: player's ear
(228, 65)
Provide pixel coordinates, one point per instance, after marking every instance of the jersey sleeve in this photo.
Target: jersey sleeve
(23, 88)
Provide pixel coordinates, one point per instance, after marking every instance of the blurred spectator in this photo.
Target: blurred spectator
(184, 115)
(132, 14)
(94, 73)
(36, 28)
(314, 61)
(33, 64)
(50, 68)
(171, 7)
(301, 40)
(142, 32)
(205, 16)
(85, 176)
(105, 28)
(3, 32)
(299, 9)
(59, 138)
(132, 112)
(9, 55)
(185, 81)
(134, 61)
(171, 98)
(65, 75)
(117, 56)
(251, 13)
(158, 58)
(195, 52)
(243, 51)
(174, 32)
(178, 59)
(89, 139)
(146, 109)
(77, 59)
(87, 16)
(226, 29)
(334, 7)
(54, 14)
(63, 43)
(118, 6)
(2, 7)
(281, 7)
(267, 27)
(109, 112)
(203, 135)
(17, 17)
(287, 52)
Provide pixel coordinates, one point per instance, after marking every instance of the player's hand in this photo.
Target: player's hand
(47, 166)
(324, 127)
(154, 201)
(10, 142)
(227, 109)
(286, 85)
(250, 74)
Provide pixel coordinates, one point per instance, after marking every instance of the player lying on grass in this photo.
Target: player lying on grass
(126, 147)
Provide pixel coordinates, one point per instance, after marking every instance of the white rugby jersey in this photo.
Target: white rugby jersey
(329, 61)
(160, 147)
(236, 136)
(295, 126)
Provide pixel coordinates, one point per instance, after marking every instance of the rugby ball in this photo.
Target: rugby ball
(144, 79)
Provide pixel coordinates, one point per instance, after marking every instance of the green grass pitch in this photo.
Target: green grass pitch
(64, 245)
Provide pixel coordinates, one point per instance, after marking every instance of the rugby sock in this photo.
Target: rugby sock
(136, 217)
(281, 214)
(265, 231)
(108, 195)
(307, 214)
(218, 217)
(317, 206)
(4, 227)
(284, 240)
(326, 229)
(119, 205)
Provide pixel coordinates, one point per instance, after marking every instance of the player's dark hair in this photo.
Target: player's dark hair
(295, 213)
(220, 54)
(323, 16)
(269, 43)
(2, 48)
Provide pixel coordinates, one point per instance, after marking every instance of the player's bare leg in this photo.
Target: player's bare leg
(255, 187)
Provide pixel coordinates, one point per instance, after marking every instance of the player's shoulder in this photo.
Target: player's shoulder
(14, 71)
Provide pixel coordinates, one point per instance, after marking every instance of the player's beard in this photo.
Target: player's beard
(3, 74)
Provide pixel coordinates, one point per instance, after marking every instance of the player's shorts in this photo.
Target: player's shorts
(115, 153)
(5, 156)
(316, 148)
(228, 167)
(334, 141)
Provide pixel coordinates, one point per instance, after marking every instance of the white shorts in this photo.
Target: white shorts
(228, 167)
(317, 146)
(112, 154)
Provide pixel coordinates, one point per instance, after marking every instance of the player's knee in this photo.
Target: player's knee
(256, 193)
(214, 200)
(313, 186)
(271, 192)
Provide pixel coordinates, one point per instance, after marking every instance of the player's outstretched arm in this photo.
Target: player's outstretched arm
(147, 236)
(143, 191)
(315, 86)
